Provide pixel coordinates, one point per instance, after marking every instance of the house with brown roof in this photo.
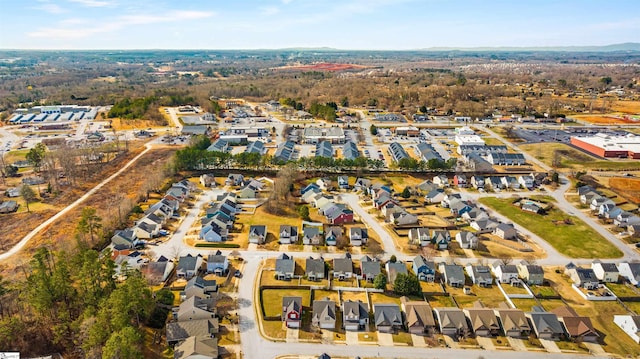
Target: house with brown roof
(484, 322)
(452, 322)
(200, 347)
(418, 317)
(513, 321)
(577, 327)
(178, 331)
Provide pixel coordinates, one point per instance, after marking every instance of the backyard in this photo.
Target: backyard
(574, 239)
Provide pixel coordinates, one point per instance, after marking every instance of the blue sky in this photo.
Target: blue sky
(343, 24)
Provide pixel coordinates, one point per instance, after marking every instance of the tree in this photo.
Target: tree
(393, 258)
(423, 109)
(555, 177)
(11, 171)
(303, 211)
(344, 102)
(373, 129)
(123, 344)
(406, 284)
(28, 195)
(164, 296)
(406, 192)
(36, 155)
(89, 222)
(380, 281)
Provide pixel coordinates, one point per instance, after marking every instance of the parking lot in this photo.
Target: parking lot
(559, 135)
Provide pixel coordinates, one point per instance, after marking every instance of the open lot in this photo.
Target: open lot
(576, 240)
(272, 299)
(491, 297)
(571, 157)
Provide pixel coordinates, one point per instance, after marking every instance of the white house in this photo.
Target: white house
(605, 272)
(505, 273)
(630, 324)
(631, 271)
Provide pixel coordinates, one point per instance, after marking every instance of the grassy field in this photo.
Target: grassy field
(491, 297)
(440, 301)
(614, 339)
(524, 304)
(261, 217)
(621, 290)
(272, 299)
(572, 158)
(576, 241)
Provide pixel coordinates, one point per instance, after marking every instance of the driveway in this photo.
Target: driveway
(486, 343)
(292, 335)
(451, 343)
(418, 341)
(385, 339)
(352, 337)
(550, 346)
(517, 344)
(595, 349)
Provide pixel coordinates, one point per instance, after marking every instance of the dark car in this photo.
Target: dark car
(237, 274)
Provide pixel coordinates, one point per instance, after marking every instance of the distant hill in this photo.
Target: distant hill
(628, 46)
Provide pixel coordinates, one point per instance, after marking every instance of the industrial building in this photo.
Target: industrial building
(469, 140)
(607, 145)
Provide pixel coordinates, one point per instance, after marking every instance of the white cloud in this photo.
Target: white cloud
(50, 8)
(94, 3)
(270, 10)
(287, 1)
(69, 28)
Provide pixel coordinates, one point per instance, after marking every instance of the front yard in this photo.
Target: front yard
(576, 240)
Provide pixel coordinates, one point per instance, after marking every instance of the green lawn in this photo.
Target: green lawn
(577, 240)
(524, 304)
(542, 290)
(621, 290)
(272, 299)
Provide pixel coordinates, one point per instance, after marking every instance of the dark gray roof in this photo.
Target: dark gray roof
(350, 151)
(324, 149)
(255, 147)
(285, 264)
(343, 265)
(314, 265)
(387, 314)
(397, 151)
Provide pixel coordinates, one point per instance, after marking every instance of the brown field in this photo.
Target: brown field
(60, 235)
(627, 187)
(603, 119)
(121, 125)
(323, 66)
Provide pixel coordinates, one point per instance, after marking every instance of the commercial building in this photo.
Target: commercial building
(469, 140)
(607, 145)
(318, 134)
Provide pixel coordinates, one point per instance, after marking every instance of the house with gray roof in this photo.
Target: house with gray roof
(630, 271)
(291, 311)
(420, 236)
(124, 239)
(355, 315)
(584, 277)
(179, 331)
(324, 149)
(217, 263)
(200, 287)
(605, 272)
(358, 236)
(201, 347)
(424, 269)
(545, 324)
(532, 274)
(452, 322)
(480, 275)
(505, 231)
(195, 308)
(505, 273)
(343, 267)
(315, 268)
(324, 314)
(419, 318)
(350, 151)
(285, 267)
(513, 322)
(288, 234)
(453, 274)
(387, 317)
(369, 268)
(257, 234)
(312, 235)
(467, 240)
(188, 266)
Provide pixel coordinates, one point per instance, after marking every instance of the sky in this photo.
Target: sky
(341, 24)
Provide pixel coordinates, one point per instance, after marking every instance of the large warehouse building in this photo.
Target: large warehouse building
(607, 145)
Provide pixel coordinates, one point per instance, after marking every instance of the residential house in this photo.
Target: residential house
(309, 187)
(325, 183)
(630, 271)
(344, 215)
(369, 268)
(211, 233)
(420, 236)
(460, 180)
(199, 287)
(441, 239)
(324, 314)
(405, 219)
(453, 274)
(484, 322)
(343, 267)
(427, 186)
(195, 308)
(596, 202)
(332, 235)
(448, 198)
(587, 196)
(494, 183)
(355, 315)
(484, 225)
(630, 324)
(527, 182)
(393, 269)
(419, 318)
(435, 196)
(208, 180)
(545, 324)
(424, 269)
(288, 234)
(124, 239)
(217, 263)
(480, 275)
(532, 274)
(315, 268)
(605, 272)
(197, 347)
(505, 231)
(577, 327)
(510, 182)
(343, 182)
(513, 321)
(179, 331)
(234, 179)
(291, 311)
(505, 273)
(387, 317)
(247, 192)
(452, 322)
(257, 234)
(477, 181)
(188, 266)
(458, 207)
(311, 195)
(8, 206)
(362, 184)
(467, 240)
(285, 267)
(312, 235)
(358, 236)
(475, 214)
(583, 277)
(625, 218)
(158, 271)
(441, 181)
(634, 230)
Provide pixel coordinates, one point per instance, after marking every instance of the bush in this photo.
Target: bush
(137, 209)
(158, 318)
(218, 245)
(164, 296)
